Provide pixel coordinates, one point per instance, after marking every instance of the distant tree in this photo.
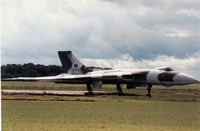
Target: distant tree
(29, 70)
(43, 70)
(54, 70)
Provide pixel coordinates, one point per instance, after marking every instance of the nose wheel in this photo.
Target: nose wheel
(119, 89)
(149, 90)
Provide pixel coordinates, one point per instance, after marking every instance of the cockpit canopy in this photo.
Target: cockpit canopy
(165, 69)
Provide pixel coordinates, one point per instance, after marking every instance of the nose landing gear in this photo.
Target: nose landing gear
(149, 90)
(119, 89)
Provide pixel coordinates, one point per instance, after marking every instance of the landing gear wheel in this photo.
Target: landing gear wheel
(89, 88)
(119, 89)
(89, 94)
(149, 90)
(149, 95)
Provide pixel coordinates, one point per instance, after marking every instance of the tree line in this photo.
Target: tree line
(29, 70)
(33, 70)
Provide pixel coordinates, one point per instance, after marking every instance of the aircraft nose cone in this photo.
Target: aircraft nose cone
(184, 79)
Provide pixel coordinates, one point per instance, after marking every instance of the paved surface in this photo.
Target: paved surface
(54, 92)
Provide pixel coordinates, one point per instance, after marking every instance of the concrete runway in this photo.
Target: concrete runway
(53, 92)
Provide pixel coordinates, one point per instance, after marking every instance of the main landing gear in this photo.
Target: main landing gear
(149, 90)
(89, 88)
(119, 89)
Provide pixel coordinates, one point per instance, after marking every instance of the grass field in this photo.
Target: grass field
(169, 109)
(139, 115)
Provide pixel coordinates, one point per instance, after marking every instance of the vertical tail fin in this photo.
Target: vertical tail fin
(71, 64)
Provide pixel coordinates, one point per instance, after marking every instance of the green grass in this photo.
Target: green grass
(169, 109)
(112, 115)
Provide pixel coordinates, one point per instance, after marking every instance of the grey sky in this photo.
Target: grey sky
(34, 30)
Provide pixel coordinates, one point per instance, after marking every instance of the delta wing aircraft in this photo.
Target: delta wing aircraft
(76, 73)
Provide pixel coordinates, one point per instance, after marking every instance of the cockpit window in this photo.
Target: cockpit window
(166, 69)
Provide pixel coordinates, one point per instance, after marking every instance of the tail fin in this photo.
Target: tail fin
(71, 64)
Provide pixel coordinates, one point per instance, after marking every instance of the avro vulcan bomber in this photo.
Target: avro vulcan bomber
(77, 73)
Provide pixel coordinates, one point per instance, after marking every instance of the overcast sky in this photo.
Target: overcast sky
(109, 33)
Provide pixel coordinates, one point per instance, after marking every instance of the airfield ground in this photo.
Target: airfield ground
(174, 108)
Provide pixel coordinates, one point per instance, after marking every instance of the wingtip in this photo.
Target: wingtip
(9, 79)
(6, 79)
